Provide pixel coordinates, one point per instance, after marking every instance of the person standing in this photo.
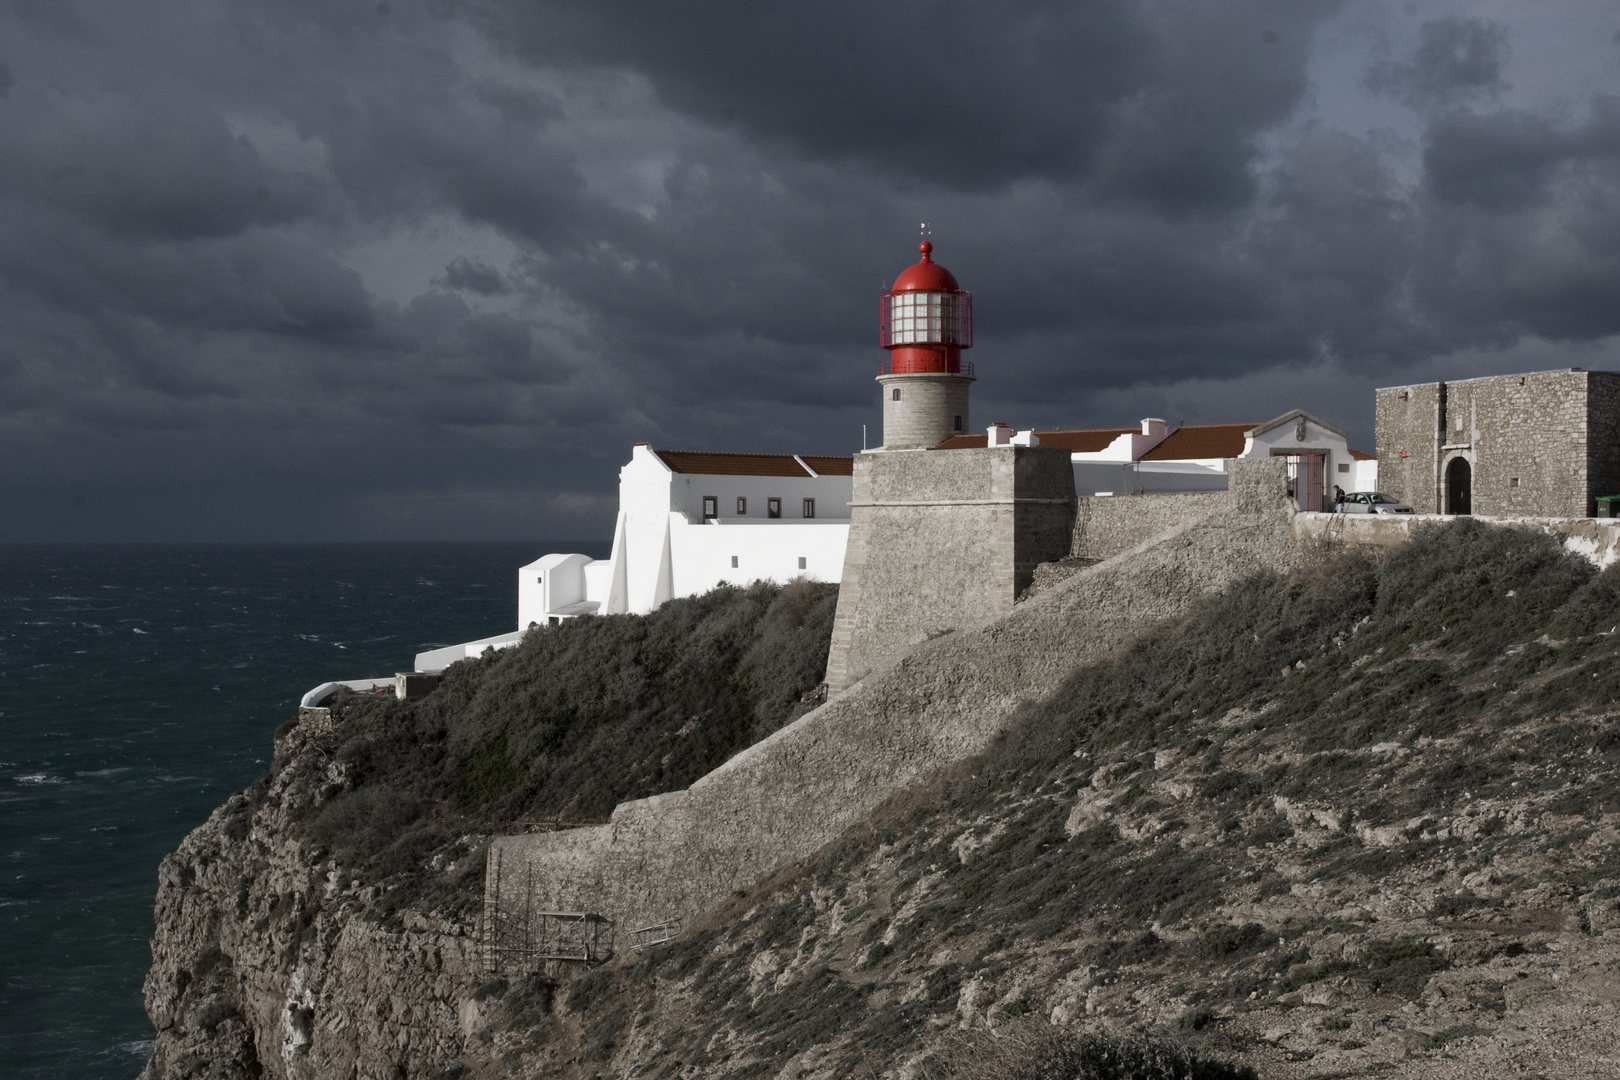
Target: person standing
(1338, 499)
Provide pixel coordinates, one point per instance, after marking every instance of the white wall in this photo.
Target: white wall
(764, 550)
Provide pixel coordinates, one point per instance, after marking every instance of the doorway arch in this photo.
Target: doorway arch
(1459, 486)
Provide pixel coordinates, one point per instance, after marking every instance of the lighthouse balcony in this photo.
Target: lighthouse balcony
(886, 366)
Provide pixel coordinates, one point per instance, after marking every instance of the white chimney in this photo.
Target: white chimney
(1026, 438)
(1152, 425)
(1000, 434)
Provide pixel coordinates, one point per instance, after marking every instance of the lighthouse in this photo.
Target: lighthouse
(925, 321)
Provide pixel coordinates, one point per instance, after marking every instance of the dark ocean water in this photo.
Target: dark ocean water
(139, 687)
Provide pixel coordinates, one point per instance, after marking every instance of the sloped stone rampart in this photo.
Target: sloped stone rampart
(679, 854)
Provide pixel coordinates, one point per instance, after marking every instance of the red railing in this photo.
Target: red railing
(964, 367)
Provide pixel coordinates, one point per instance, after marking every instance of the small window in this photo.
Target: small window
(773, 508)
(742, 506)
(711, 507)
(957, 424)
(541, 580)
(1344, 466)
(555, 621)
(734, 562)
(809, 508)
(802, 562)
(1513, 481)
(894, 394)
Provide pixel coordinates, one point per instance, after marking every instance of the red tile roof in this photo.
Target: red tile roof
(1192, 441)
(830, 466)
(1087, 441)
(706, 464)
(1362, 455)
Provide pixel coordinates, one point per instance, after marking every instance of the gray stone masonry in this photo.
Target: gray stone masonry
(941, 540)
(926, 413)
(1544, 444)
(1594, 539)
(680, 854)
(1104, 526)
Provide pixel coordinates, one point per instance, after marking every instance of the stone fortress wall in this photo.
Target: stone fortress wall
(940, 541)
(679, 854)
(1544, 444)
(1105, 526)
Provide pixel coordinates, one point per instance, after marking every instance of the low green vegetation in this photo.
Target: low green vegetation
(1301, 748)
(569, 723)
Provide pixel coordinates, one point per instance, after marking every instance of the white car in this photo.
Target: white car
(1373, 502)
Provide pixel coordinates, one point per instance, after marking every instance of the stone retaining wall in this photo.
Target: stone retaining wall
(1597, 539)
(679, 854)
(1104, 526)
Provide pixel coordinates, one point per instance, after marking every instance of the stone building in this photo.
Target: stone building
(1544, 444)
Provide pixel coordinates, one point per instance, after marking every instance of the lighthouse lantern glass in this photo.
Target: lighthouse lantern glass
(927, 318)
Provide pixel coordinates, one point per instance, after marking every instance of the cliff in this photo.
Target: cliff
(1353, 817)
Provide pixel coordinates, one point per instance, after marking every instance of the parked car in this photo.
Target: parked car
(1373, 502)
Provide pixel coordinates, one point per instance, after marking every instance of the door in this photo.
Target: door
(1459, 487)
(1307, 481)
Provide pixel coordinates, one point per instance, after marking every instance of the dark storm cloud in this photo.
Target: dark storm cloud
(1148, 101)
(1455, 58)
(347, 269)
(1510, 160)
(475, 275)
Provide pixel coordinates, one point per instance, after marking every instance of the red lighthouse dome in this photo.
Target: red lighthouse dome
(926, 320)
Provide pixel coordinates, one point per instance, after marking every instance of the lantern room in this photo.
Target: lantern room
(926, 320)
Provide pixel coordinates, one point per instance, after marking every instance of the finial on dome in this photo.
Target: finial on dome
(925, 247)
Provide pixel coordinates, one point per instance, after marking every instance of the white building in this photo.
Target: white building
(688, 522)
(1161, 457)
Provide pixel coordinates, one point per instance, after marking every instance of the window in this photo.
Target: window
(1344, 466)
(734, 562)
(742, 506)
(894, 395)
(773, 508)
(554, 621)
(711, 507)
(802, 562)
(809, 508)
(957, 426)
(541, 580)
(1513, 481)
(914, 317)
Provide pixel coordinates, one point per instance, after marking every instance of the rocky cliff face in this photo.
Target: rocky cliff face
(1360, 819)
(270, 961)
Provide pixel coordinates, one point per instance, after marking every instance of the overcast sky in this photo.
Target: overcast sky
(424, 269)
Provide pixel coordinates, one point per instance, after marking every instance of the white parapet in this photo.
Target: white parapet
(439, 659)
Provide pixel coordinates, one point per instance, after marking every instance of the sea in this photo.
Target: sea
(139, 687)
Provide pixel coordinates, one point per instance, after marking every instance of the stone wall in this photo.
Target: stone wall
(1597, 540)
(940, 540)
(925, 414)
(1602, 434)
(679, 854)
(1538, 445)
(1525, 439)
(1106, 526)
(1408, 444)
